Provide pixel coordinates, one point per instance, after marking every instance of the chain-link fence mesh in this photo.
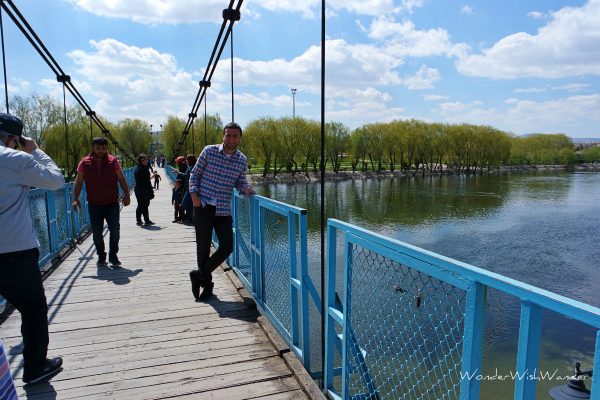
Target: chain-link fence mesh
(243, 233)
(62, 216)
(276, 279)
(405, 331)
(39, 215)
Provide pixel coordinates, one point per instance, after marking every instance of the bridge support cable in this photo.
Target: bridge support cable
(21, 22)
(322, 168)
(230, 15)
(64, 79)
(4, 61)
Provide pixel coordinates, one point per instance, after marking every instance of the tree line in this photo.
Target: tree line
(292, 145)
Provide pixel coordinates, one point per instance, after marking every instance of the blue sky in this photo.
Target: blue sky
(522, 66)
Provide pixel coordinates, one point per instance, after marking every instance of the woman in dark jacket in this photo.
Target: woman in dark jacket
(143, 190)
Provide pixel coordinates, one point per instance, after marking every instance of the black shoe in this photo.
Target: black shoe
(139, 223)
(148, 223)
(114, 260)
(101, 259)
(207, 292)
(47, 370)
(195, 279)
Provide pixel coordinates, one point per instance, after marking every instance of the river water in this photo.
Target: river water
(542, 229)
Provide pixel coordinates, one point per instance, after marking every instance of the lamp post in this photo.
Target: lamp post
(294, 102)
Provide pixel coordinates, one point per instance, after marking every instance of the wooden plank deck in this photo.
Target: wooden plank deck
(135, 332)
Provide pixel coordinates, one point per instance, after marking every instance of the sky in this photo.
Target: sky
(523, 66)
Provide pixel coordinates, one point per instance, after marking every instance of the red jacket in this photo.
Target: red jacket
(100, 176)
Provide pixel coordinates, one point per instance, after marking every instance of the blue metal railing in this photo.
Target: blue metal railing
(271, 259)
(56, 224)
(417, 316)
(401, 322)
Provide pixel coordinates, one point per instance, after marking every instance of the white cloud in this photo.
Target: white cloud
(16, 86)
(423, 79)
(468, 10)
(155, 11)
(404, 40)
(133, 82)
(192, 11)
(434, 97)
(570, 114)
(566, 46)
(569, 87)
(537, 15)
(354, 66)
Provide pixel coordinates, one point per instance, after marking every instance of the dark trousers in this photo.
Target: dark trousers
(156, 184)
(142, 209)
(205, 222)
(98, 214)
(21, 285)
(188, 205)
(179, 213)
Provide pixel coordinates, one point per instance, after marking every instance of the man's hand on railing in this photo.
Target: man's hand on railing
(248, 191)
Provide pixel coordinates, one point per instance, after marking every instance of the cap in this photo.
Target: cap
(10, 125)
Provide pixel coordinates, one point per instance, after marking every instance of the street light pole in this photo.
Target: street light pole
(294, 102)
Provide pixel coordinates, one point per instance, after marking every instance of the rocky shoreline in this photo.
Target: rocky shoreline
(300, 177)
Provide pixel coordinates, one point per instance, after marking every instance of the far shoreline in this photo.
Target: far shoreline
(330, 176)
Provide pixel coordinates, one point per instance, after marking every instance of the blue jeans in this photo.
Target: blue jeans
(21, 285)
(110, 213)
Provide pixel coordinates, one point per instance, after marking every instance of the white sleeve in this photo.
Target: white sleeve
(40, 171)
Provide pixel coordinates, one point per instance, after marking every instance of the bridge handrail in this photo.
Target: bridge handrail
(473, 280)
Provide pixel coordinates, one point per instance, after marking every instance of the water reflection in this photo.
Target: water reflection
(541, 229)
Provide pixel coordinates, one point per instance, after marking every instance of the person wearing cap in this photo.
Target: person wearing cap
(20, 275)
(219, 169)
(102, 174)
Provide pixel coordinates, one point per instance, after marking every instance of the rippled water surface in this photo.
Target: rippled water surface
(541, 229)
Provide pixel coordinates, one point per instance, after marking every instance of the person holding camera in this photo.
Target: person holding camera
(20, 275)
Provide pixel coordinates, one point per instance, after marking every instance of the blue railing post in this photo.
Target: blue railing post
(528, 352)
(472, 342)
(295, 283)
(333, 315)
(51, 215)
(305, 282)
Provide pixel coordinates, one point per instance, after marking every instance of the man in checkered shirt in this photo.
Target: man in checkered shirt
(220, 168)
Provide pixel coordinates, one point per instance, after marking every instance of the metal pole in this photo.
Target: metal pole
(4, 62)
(232, 106)
(294, 103)
(205, 143)
(323, 309)
(66, 132)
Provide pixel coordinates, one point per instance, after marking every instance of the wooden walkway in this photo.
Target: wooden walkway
(135, 332)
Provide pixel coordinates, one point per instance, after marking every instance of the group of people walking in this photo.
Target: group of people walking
(208, 183)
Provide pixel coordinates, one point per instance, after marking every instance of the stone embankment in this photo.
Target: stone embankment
(301, 177)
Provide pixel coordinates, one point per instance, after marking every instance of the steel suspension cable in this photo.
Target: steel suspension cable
(230, 15)
(323, 303)
(205, 100)
(21, 22)
(4, 62)
(66, 128)
(232, 105)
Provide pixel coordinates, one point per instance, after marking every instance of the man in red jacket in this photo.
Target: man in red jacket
(102, 173)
